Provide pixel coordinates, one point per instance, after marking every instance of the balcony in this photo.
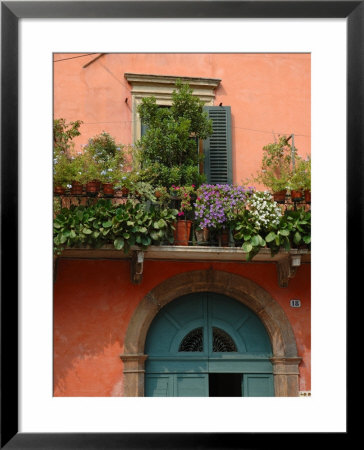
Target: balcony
(213, 248)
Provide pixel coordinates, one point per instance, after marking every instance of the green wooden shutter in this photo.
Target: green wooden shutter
(218, 148)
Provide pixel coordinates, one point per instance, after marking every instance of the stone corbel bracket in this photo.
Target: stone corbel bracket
(287, 268)
(136, 266)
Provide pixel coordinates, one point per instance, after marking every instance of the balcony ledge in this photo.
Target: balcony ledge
(184, 253)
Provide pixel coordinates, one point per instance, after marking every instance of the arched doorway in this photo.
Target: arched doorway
(208, 345)
(284, 359)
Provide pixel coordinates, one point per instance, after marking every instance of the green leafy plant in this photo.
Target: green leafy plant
(293, 231)
(251, 235)
(144, 191)
(186, 195)
(63, 133)
(301, 175)
(62, 170)
(126, 180)
(170, 143)
(261, 216)
(131, 223)
(276, 167)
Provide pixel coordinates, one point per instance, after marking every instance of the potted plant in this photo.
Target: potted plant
(123, 185)
(216, 208)
(307, 180)
(75, 176)
(261, 216)
(144, 191)
(161, 193)
(202, 234)
(89, 174)
(300, 180)
(61, 173)
(63, 133)
(169, 145)
(104, 159)
(183, 225)
(112, 169)
(276, 167)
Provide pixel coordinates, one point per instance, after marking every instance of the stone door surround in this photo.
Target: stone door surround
(285, 359)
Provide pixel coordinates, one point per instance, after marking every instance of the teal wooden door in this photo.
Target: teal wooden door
(196, 337)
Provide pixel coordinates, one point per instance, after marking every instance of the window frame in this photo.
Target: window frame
(161, 87)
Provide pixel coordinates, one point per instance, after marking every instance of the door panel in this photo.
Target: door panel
(192, 385)
(158, 385)
(258, 385)
(177, 385)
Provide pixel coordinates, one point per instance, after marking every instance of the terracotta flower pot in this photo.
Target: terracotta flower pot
(280, 197)
(125, 191)
(307, 194)
(202, 235)
(93, 187)
(77, 188)
(118, 193)
(182, 232)
(59, 190)
(224, 238)
(296, 195)
(108, 189)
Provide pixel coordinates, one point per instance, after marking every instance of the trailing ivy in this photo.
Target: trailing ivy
(124, 225)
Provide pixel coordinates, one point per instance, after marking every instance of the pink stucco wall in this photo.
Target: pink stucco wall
(94, 302)
(269, 94)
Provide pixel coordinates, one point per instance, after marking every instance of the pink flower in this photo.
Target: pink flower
(181, 213)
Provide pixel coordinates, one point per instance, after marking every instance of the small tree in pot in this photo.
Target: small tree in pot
(171, 138)
(276, 169)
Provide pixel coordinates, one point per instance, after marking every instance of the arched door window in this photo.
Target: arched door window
(222, 342)
(193, 342)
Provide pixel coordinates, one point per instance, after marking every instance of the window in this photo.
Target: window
(217, 148)
(193, 342)
(222, 342)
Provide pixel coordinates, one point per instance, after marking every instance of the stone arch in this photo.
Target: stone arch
(285, 360)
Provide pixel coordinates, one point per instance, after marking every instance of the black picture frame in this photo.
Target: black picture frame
(11, 12)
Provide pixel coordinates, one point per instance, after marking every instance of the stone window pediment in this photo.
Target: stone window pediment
(161, 87)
